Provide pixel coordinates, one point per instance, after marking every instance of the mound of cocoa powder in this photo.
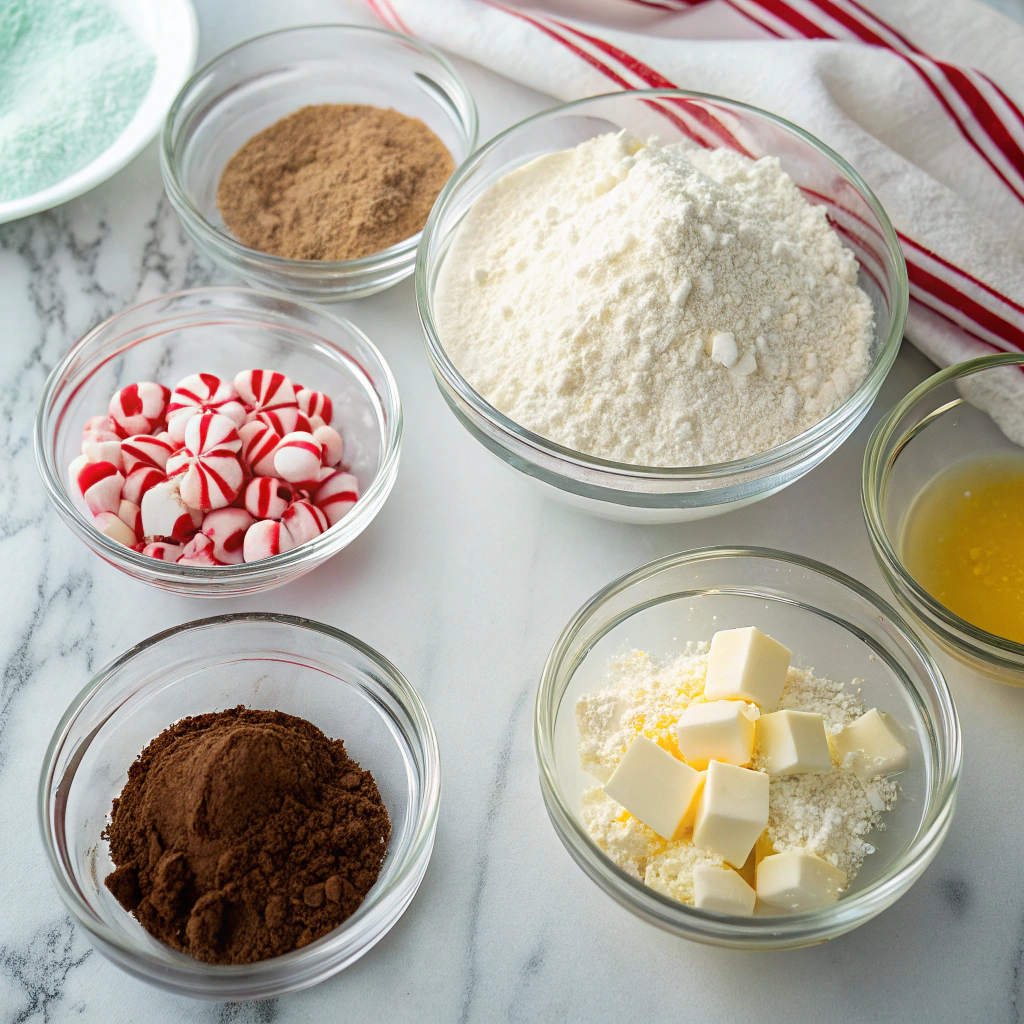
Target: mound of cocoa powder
(333, 181)
(241, 835)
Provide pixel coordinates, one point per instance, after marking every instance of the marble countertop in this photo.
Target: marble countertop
(464, 580)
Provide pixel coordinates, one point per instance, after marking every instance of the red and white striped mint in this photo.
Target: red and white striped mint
(101, 422)
(211, 432)
(102, 445)
(146, 450)
(131, 515)
(331, 445)
(140, 480)
(264, 540)
(264, 390)
(138, 408)
(336, 495)
(211, 475)
(226, 528)
(304, 521)
(165, 514)
(198, 551)
(266, 497)
(285, 421)
(259, 442)
(315, 404)
(202, 392)
(165, 551)
(297, 458)
(110, 524)
(99, 483)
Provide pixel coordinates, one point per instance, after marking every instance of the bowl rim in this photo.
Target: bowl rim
(325, 545)
(804, 441)
(234, 249)
(420, 844)
(796, 928)
(135, 136)
(875, 474)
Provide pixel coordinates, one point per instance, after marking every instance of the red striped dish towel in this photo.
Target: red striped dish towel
(923, 97)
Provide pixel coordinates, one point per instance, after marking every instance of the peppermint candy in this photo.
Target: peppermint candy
(199, 393)
(138, 408)
(264, 390)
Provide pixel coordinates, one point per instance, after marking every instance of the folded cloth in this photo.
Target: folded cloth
(922, 97)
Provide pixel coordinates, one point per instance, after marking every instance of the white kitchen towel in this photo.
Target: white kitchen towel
(922, 97)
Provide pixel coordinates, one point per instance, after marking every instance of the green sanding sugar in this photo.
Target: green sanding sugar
(72, 76)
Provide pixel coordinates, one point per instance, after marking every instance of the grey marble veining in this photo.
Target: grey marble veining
(464, 580)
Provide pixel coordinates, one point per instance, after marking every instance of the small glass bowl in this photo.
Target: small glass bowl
(223, 331)
(833, 624)
(254, 84)
(934, 427)
(272, 662)
(653, 494)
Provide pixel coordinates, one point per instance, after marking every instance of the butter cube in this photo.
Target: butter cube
(656, 787)
(732, 813)
(798, 880)
(722, 890)
(876, 742)
(722, 730)
(794, 743)
(745, 664)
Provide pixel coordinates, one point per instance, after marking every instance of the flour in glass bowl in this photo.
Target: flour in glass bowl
(655, 306)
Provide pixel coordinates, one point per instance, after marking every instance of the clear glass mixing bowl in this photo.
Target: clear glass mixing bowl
(831, 623)
(223, 331)
(273, 662)
(655, 495)
(934, 427)
(252, 85)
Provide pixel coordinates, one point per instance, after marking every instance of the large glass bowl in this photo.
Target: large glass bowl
(272, 662)
(933, 428)
(252, 85)
(223, 331)
(832, 624)
(644, 494)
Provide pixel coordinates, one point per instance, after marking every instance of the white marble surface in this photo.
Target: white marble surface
(464, 581)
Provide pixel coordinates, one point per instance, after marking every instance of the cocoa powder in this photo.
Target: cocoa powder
(241, 835)
(333, 182)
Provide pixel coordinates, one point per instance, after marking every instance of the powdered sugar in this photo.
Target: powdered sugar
(830, 815)
(653, 305)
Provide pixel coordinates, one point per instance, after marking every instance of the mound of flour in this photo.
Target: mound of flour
(654, 305)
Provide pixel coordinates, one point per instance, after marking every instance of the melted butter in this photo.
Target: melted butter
(963, 541)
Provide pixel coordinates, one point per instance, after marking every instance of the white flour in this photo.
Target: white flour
(654, 306)
(827, 814)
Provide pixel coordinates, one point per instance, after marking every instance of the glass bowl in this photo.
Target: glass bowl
(645, 494)
(931, 429)
(833, 624)
(222, 331)
(273, 662)
(254, 84)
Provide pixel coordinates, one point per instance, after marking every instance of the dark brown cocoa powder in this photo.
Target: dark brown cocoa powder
(241, 835)
(333, 182)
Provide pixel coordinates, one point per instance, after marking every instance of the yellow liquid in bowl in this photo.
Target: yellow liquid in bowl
(963, 541)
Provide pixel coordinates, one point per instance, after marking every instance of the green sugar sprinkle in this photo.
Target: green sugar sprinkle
(72, 76)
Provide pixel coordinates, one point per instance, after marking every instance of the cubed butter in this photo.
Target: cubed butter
(732, 812)
(793, 743)
(656, 787)
(798, 880)
(745, 664)
(876, 742)
(722, 890)
(722, 730)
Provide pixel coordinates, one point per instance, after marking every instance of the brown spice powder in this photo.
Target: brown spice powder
(242, 835)
(333, 182)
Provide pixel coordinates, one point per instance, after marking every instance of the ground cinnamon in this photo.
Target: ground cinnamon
(241, 835)
(333, 182)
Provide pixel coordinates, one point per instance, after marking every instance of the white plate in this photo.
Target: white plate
(170, 29)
